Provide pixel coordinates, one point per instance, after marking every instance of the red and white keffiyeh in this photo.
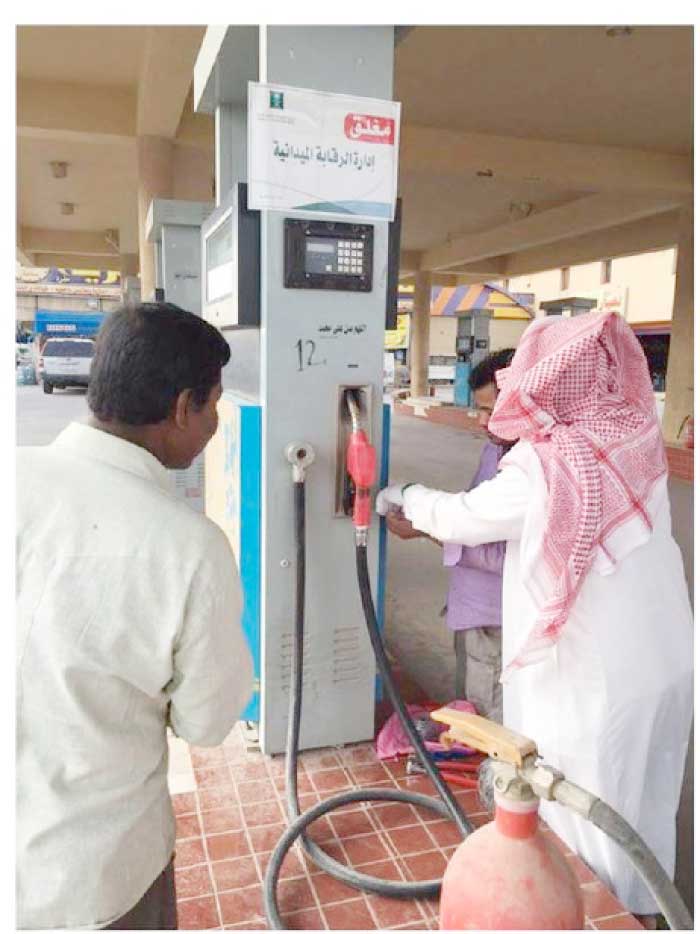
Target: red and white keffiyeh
(579, 390)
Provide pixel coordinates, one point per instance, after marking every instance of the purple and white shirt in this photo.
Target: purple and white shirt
(476, 579)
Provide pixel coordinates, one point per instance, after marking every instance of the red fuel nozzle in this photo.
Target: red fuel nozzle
(361, 459)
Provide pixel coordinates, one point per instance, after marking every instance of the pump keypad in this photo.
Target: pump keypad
(328, 255)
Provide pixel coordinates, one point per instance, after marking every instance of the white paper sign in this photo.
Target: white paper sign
(329, 154)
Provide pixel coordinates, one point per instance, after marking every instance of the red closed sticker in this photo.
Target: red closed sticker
(365, 128)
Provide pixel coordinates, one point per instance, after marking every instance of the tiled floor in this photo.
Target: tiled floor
(229, 823)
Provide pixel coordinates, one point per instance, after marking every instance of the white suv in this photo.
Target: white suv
(66, 361)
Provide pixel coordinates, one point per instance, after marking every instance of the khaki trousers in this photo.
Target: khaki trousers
(478, 671)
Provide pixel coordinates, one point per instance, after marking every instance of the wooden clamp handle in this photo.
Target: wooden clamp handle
(482, 734)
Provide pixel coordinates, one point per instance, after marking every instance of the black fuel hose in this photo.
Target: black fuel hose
(298, 823)
(667, 896)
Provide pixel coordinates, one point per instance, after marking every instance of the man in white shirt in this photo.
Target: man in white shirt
(128, 622)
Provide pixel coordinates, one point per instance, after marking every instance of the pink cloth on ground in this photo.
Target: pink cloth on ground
(392, 741)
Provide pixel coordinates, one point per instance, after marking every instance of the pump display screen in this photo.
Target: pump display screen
(328, 255)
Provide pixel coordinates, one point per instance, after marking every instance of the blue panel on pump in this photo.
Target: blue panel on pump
(233, 494)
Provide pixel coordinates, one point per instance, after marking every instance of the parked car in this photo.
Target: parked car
(66, 361)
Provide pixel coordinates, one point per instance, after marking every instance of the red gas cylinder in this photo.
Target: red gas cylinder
(508, 876)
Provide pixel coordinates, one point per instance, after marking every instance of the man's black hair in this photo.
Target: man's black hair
(146, 355)
(485, 372)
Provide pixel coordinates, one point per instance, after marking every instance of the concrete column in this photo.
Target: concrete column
(223, 143)
(130, 283)
(155, 180)
(679, 375)
(231, 125)
(420, 334)
(128, 265)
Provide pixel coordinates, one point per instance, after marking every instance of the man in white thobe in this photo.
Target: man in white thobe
(597, 627)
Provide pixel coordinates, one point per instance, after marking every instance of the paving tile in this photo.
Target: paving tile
(230, 874)
(367, 849)
(598, 902)
(249, 770)
(353, 915)
(197, 914)
(295, 894)
(396, 815)
(306, 800)
(236, 754)
(213, 777)
(252, 792)
(424, 866)
(368, 774)
(397, 767)
(292, 865)
(277, 765)
(189, 852)
(304, 784)
(350, 825)
(222, 820)
(243, 906)
(227, 845)
(330, 890)
(264, 839)
(310, 919)
(388, 785)
(384, 869)
(260, 925)
(206, 756)
(624, 922)
(186, 826)
(358, 755)
(321, 831)
(408, 840)
(214, 798)
(193, 882)
(184, 803)
(262, 812)
(395, 911)
(330, 780)
(335, 851)
(417, 783)
(317, 759)
(445, 833)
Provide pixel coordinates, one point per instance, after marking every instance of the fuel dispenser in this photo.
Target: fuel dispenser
(173, 227)
(299, 343)
(472, 347)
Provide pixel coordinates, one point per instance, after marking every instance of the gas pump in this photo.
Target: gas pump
(173, 227)
(472, 347)
(287, 383)
(304, 302)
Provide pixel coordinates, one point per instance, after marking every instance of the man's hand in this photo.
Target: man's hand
(388, 497)
(399, 525)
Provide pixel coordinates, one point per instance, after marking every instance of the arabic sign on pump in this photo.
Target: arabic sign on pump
(328, 154)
